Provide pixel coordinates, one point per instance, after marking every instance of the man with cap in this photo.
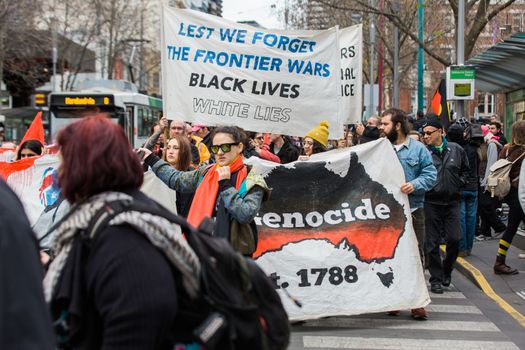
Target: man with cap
(442, 203)
(202, 131)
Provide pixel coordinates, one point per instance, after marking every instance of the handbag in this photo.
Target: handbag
(242, 237)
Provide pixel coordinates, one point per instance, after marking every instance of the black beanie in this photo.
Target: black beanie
(435, 122)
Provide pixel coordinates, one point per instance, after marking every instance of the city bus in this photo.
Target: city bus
(135, 112)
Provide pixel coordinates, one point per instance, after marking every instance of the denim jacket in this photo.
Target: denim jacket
(419, 170)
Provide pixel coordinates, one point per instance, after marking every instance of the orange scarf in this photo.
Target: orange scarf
(206, 194)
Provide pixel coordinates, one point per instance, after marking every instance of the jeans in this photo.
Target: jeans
(469, 204)
(446, 219)
(418, 222)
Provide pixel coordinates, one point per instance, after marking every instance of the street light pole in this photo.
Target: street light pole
(371, 63)
(460, 104)
(54, 50)
(420, 58)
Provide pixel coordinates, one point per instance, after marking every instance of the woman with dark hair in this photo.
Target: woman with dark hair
(315, 141)
(513, 152)
(227, 191)
(30, 148)
(118, 289)
(178, 154)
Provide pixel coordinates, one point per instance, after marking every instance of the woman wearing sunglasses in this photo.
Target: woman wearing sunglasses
(227, 191)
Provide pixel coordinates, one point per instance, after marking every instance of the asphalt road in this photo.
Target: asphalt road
(461, 318)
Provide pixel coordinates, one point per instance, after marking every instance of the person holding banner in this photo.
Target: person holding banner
(315, 141)
(420, 176)
(30, 148)
(227, 191)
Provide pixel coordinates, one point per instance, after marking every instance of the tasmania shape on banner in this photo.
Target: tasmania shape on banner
(337, 233)
(221, 72)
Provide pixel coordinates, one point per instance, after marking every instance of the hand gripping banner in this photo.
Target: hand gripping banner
(337, 233)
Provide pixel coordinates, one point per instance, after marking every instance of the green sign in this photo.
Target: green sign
(155, 102)
(462, 74)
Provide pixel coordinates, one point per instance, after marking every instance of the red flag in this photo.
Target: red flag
(36, 130)
(439, 104)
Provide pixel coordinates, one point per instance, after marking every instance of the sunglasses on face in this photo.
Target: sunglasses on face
(225, 147)
(428, 133)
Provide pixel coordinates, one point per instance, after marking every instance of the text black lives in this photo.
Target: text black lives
(226, 83)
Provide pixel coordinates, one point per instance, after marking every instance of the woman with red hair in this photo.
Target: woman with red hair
(117, 289)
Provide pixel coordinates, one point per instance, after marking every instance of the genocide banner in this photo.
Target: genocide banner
(337, 234)
(220, 72)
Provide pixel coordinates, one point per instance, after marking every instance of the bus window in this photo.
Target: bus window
(146, 119)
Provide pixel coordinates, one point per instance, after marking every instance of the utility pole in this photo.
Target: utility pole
(380, 59)
(460, 104)
(420, 58)
(370, 107)
(141, 61)
(54, 50)
(395, 99)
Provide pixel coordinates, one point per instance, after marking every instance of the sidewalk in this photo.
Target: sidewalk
(510, 288)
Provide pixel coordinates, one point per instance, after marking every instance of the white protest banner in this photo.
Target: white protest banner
(351, 45)
(32, 180)
(221, 72)
(337, 233)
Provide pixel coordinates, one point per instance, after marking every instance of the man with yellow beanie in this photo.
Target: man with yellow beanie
(315, 141)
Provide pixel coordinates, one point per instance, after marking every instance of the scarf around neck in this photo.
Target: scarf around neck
(163, 234)
(206, 195)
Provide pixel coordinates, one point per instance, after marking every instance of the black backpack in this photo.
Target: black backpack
(238, 307)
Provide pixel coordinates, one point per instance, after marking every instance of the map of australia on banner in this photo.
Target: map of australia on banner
(337, 234)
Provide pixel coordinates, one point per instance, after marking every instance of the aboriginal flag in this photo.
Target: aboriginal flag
(440, 105)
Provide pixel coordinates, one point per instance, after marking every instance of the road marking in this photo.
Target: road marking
(325, 342)
(487, 289)
(397, 323)
(460, 309)
(521, 295)
(448, 295)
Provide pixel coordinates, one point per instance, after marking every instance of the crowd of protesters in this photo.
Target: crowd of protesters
(202, 169)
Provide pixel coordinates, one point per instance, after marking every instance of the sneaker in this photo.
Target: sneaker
(393, 313)
(498, 235)
(419, 314)
(480, 238)
(463, 254)
(436, 288)
(522, 256)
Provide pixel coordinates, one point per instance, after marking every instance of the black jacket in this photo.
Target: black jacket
(122, 291)
(288, 153)
(25, 322)
(473, 157)
(452, 173)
